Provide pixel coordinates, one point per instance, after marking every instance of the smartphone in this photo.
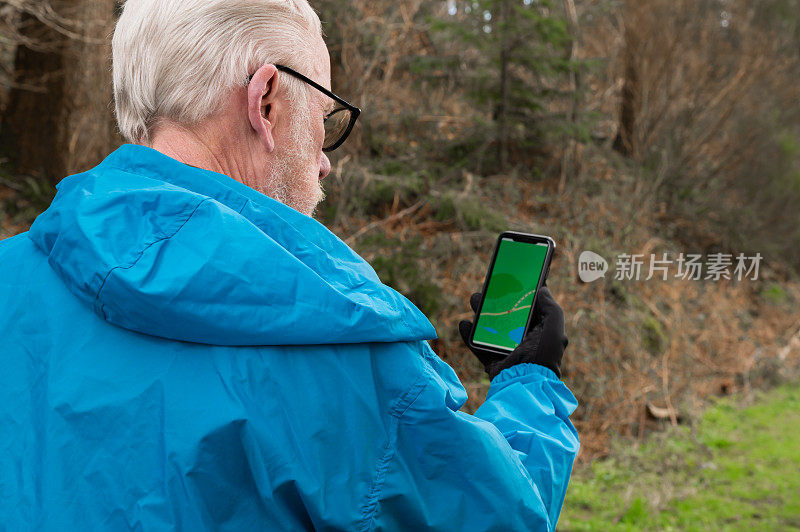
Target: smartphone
(518, 270)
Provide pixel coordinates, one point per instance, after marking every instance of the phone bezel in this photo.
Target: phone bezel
(517, 237)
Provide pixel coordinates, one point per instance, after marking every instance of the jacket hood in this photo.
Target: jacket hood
(163, 248)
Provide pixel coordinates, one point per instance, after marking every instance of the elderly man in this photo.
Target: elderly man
(185, 347)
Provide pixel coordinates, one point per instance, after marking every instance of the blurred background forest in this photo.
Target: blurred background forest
(616, 126)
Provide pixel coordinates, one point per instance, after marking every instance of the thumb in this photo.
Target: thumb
(474, 301)
(465, 328)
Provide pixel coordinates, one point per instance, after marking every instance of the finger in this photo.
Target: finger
(474, 301)
(545, 302)
(540, 307)
(545, 308)
(549, 311)
(530, 343)
(465, 329)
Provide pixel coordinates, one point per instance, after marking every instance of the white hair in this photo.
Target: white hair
(177, 60)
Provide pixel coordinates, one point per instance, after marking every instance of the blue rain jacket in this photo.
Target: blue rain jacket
(179, 351)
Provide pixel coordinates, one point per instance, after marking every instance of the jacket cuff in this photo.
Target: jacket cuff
(523, 371)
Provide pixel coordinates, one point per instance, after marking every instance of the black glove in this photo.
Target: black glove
(544, 344)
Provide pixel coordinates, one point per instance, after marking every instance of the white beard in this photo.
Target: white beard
(293, 178)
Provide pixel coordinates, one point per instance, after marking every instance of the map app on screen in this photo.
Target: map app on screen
(509, 295)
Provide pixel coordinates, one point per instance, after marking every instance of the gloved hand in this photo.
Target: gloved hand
(544, 344)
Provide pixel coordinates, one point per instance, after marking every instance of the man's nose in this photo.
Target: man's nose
(324, 166)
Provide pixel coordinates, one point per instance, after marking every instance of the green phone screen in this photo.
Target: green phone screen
(509, 295)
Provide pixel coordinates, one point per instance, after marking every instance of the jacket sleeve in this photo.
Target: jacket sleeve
(504, 468)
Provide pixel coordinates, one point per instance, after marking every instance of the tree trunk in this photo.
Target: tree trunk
(625, 143)
(502, 111)
(570, 160)
(67, 125)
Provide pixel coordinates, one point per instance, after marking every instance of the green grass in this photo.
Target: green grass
(738, 468)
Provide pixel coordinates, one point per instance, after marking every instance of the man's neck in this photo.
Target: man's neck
(195, 149)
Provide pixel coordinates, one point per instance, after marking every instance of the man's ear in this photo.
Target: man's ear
(261, 99)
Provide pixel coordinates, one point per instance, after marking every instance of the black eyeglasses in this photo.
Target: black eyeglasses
(339, 122)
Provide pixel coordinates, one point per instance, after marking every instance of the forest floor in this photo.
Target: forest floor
(735, 468)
